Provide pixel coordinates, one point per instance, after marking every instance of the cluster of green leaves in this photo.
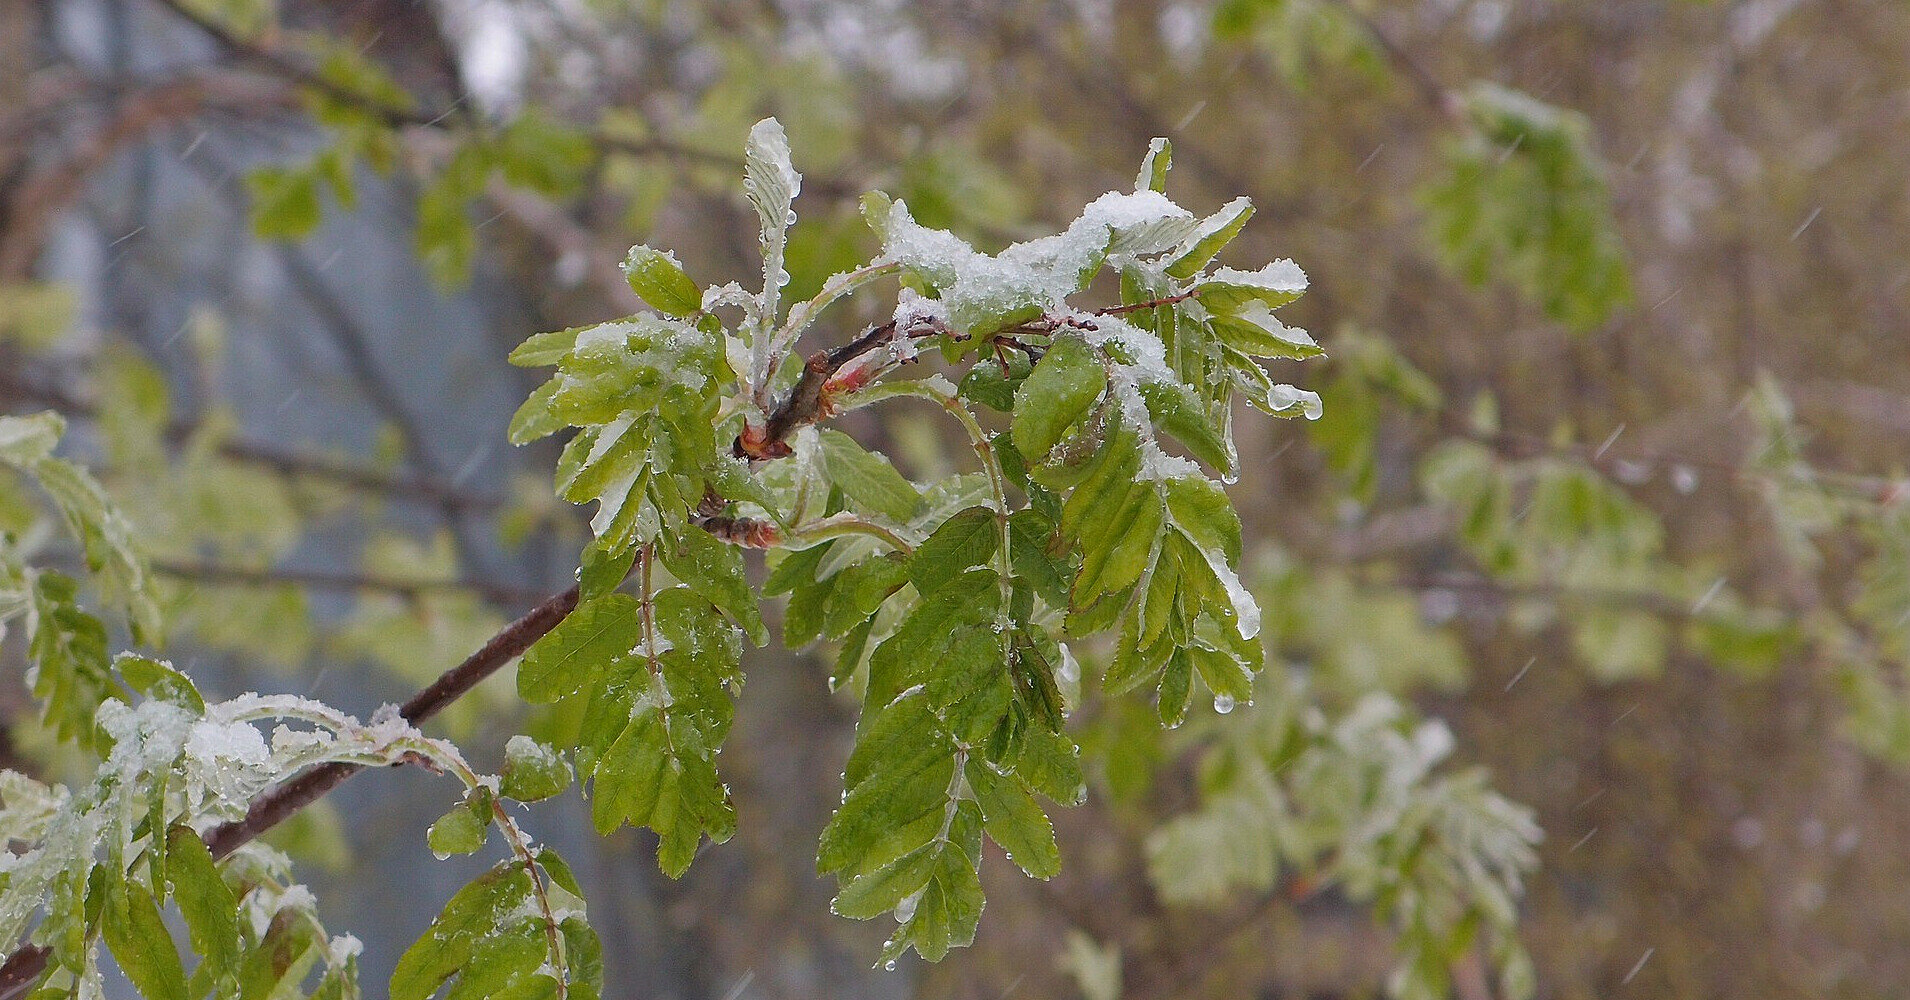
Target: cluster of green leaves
(1300, 36)
(1593, 560)
(954, 603)
(1357, 803)
(67, 644)
(102, 861)
(1520, 196)
(362, 106)
(1524, 200)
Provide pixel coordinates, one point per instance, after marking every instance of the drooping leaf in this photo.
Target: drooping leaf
(133, 929)
(868, 480)
(1056, 396)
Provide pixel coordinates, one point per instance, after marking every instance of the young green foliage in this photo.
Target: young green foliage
(696, 435)
(1524, 197)
(1440, 856)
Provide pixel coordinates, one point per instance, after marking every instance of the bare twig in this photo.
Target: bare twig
(272, 60)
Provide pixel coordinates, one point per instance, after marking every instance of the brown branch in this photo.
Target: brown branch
(278, 804)
(1661, 605)
(1149, 304)
(25, 966)
(271, 60)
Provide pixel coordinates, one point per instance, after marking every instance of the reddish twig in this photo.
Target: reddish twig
(807, 401)
(1149, 304)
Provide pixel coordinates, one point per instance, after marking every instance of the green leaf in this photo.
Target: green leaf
(1112, 561)
(660, 771)
(133, 929)
(882, 890)
(908, 655)
(1051, 765)
(1524, 200)
(796, 576)
(1153, 176)
(659, 775)
(208, 904)
(988, 384)
(284, 202)
(604, 568)
(459, 831)
(1261, 392)
(858, 591)
(543, 155)
(868, 480)
(1029, 537)
(535, 419)
(950, 904)
(288, 951)
(1255, 332)
(656, 276)
(1177, 410)
(906, 790)
(465, 939)
(1014, 820)
(1215, 232)
(770, 182)
(967, 539)
(635, 366)
(446, 239)
(570, 656)
(1056, 395)
(68, 647)
(548, 348)
(532, 771)
(157, 679)
(714, 569)
(1228, 291)
(107, 536)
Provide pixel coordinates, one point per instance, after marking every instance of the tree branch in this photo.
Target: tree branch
(24, 967)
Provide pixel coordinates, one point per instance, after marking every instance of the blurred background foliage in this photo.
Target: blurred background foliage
(1608, 506)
